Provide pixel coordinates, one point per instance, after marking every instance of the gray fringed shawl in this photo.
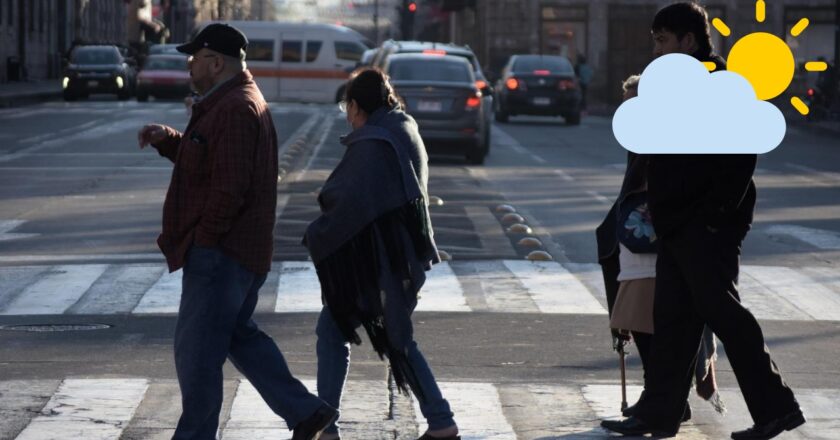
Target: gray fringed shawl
(373, 241)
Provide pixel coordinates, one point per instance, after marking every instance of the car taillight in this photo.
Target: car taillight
(542, 72)
(473, 102)
(514, 84)
(810, 92)
(566, 84)
(436, 52)
(480, 84)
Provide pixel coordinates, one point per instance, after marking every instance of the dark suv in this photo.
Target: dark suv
(538, 85)
(98, 69)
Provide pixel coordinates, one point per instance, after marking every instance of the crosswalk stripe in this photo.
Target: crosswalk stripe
(442, 292)
(90, 409)
(57, 291)
(137, 408)
(250, 417)
(811, 297)
(118, 290)
(298, 289)
(164, 296)
(554, 288)
(498, 286)
(478, 411)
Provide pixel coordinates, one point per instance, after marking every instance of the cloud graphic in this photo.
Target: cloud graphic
(683, 109)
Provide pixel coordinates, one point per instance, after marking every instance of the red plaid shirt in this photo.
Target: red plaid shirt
(223, 190)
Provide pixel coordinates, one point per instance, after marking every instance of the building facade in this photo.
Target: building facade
(615, 36)
(36, 34)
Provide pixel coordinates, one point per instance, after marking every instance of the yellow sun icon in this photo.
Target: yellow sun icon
(765, 60)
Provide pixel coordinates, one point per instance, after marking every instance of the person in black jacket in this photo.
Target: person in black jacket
(702, 207)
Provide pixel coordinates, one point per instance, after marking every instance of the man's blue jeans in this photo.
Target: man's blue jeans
(334, 361)
(214, 322)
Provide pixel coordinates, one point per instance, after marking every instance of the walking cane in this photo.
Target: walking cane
(621, 356)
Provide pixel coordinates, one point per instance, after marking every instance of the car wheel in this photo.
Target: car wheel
(476, 154)
(573, 118)
(69, 96)
(142, 97)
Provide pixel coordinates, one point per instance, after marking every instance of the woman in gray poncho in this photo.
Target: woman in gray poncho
(371, 247)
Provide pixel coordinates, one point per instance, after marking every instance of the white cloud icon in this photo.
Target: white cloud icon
(683, 109)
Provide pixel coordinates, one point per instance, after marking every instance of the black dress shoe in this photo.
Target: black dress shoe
(772, 428)
(630, 411)
(636, 427)
(312, 427)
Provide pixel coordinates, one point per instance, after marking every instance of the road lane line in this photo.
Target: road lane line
(57, 291)
(599, 197)
(442, 291)
(478, 409)
(554, 289)
(325, 129)
(90, 409)
(164, 296)
(251, 418)
(298, 289)
(118, 290)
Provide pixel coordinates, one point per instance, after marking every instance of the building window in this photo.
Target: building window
(10, 13)
(563, 31)
(260, 50)
(313, 48)
(42, 16)
(292, 51)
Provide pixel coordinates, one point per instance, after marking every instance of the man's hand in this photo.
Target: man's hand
(151, 134)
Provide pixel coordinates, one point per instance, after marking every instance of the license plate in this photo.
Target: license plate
(429, 106)
(542, 101)
(93, 83)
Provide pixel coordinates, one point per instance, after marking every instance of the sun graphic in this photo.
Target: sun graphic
(765, 60)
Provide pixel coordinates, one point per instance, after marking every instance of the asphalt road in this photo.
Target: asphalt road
(81, 209)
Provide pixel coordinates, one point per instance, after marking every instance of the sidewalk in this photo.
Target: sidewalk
(16, 93)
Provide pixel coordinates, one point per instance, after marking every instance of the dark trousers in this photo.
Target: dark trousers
(696, 284)
(214, 323)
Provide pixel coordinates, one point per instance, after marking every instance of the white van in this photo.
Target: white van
(308, 62)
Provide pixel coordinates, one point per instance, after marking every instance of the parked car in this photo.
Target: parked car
(439, 91)
(538, 85)
(98, 69)
(392, 47)
(163, 76)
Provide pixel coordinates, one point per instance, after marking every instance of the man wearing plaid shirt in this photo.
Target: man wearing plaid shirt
(218, 222)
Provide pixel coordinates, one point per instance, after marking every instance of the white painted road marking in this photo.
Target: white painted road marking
(57, 291)
(164, 296)
(298, 289)
(553, 288)
(442, 292)
(820, 238)
(478, 409)
(90, 409)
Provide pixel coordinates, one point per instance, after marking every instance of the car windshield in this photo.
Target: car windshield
(96, 56)
(429, 69)
(552, 64)
(166, 63)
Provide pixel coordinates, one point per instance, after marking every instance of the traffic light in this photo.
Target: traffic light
(407, 13)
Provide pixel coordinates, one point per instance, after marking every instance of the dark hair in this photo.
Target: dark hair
(371, 89)
(682, 18)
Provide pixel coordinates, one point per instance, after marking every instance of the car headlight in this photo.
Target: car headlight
(65, 82)
(120, 82)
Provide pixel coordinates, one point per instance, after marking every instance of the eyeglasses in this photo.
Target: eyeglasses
(342, 106)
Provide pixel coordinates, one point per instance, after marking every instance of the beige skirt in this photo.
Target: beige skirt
(633, 308)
